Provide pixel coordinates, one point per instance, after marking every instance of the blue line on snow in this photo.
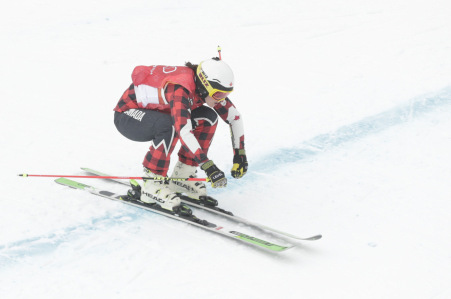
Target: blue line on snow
(15, 251)
(414, 109)
(409, 111)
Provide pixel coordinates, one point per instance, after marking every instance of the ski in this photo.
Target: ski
(214, 209)
(190, 219)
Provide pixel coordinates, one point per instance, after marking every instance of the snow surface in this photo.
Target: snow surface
(347, 110)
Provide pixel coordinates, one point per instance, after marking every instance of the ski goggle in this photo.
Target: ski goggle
(217, 94)
(220, 95)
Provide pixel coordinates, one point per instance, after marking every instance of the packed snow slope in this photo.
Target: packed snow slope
(347, 110)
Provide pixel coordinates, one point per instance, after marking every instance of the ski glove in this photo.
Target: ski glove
(239, 163)
(215, 176)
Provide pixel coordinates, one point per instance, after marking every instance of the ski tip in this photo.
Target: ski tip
(313, 238)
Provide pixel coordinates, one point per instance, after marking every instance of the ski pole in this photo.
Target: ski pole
(114, 177)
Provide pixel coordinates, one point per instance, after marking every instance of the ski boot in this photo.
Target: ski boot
(195, 192)
(156, 191)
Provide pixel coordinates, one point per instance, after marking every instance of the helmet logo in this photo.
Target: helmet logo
(203, 79)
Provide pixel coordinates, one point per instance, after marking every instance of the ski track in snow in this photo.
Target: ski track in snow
(11, 253)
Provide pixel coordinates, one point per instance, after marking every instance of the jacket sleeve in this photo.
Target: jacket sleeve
(180, 103)
(228, 112)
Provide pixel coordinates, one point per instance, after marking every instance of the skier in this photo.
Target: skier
(165, 104)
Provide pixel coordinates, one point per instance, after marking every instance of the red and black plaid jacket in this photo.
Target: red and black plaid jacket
(181, 103)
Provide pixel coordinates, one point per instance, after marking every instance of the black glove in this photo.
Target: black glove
(239, 163)
(215, 176)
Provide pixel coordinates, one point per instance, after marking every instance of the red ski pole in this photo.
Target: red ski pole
(113, 177)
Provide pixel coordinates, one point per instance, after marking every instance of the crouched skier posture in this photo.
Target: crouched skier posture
(165, 104)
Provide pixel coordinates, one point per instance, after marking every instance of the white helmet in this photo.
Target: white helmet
(215, 78)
